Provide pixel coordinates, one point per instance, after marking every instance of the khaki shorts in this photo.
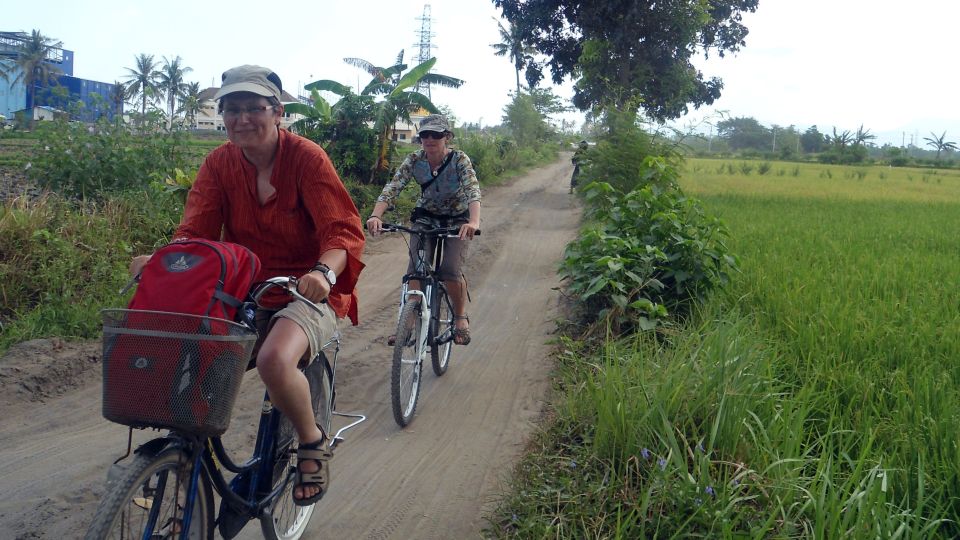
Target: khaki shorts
(318, 329)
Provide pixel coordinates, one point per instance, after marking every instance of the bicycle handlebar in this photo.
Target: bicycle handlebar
(289, 285)
(449, 232)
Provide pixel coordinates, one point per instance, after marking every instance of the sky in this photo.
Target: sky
(887, 65)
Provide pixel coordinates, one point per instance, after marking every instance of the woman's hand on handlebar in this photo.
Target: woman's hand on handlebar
(468, 230)
(375, 225)
(314, 287)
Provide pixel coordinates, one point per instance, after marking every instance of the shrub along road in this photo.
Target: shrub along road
(433, 479)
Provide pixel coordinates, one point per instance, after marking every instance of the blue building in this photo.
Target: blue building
(64, 94)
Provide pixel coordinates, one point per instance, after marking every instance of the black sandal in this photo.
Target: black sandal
(461, 336)
(319, 452)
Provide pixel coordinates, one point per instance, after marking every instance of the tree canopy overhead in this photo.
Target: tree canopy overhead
(629, 53)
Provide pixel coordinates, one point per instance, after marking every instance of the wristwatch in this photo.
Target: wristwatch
(326, 272)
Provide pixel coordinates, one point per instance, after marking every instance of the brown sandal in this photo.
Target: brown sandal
(320, 453)
(461, 336)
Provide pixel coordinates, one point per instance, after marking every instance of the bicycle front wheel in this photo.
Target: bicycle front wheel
(148, 500)
(285, 520)
(407, 364)
(441, 331)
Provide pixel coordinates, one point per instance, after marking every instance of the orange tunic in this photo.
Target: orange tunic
(310, 213)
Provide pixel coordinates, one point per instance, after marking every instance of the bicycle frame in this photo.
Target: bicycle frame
(424, 272)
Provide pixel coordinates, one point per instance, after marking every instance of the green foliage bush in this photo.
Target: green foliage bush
(644, 254)
(80, 160)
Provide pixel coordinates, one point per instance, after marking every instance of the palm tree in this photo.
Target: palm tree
(117, 96)
(940, 143)
(171, 83)
(190, 105)
(398, 103)
(142, 81)
(840, 140)
(513, 47)
(31, 65)
(862, 136)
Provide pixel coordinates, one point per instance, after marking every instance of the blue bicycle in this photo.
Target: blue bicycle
(166, 490)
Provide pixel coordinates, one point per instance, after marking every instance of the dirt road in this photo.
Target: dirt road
(431, 480)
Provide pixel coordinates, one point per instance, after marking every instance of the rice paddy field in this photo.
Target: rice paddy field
(851, 281)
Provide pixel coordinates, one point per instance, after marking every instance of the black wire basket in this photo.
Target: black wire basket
(172, 370)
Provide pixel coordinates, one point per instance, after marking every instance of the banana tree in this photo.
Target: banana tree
(398, 100)
(316, 114)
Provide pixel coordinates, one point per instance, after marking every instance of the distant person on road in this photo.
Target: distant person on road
(449, 195)
(577, 159)
(278, 194)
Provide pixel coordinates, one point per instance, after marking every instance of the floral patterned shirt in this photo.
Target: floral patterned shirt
(451, 191)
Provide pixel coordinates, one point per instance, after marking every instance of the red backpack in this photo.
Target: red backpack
(198, 277)
(181, 368)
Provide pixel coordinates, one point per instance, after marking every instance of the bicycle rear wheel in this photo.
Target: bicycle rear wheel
(285, 520)
(441, 331)
(407, 364)
(149, 498)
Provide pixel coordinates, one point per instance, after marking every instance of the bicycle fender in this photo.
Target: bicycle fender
(156, 446)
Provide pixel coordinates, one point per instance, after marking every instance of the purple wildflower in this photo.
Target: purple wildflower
(709, 491)
(645, 453)
(663, 464)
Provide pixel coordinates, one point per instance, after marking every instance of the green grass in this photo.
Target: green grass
(817, 397)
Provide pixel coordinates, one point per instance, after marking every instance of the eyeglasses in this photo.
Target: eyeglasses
(251, 111)
(432, 135)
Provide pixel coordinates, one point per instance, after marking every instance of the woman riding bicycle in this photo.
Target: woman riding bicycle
(449, 194)
(278, 194)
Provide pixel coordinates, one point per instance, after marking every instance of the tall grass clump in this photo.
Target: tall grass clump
(61, 261)
(496, 157)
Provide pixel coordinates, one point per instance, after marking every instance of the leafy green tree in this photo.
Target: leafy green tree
(742, 133)
(30, 64)
(342, 129)
(812, 141)
(513, 47)
(143, 81)
(940, 143)
(526, 123)
(629, 54)
(846, 147)
(546, 102)
(171, 83)
(398, 100)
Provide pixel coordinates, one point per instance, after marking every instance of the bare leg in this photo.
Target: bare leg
(289, 390)
(458, 297)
